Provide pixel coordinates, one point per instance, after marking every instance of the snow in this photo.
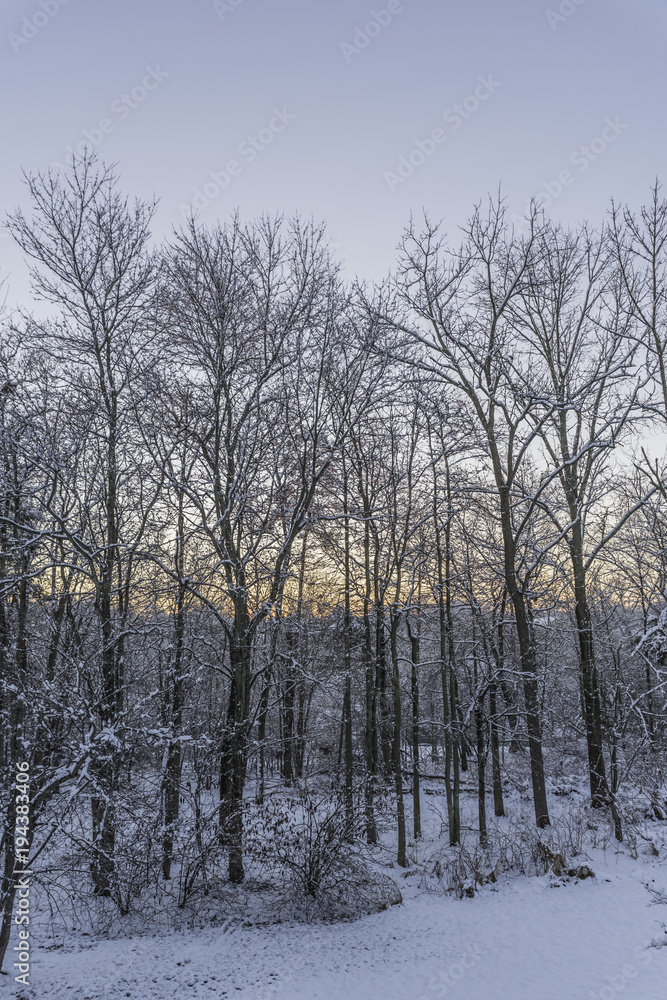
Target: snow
(523, 939)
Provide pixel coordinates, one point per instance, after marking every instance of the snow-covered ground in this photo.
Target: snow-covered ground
(523, 939)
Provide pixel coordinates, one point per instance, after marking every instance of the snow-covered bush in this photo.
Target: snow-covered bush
(309, 845)
(521, 849)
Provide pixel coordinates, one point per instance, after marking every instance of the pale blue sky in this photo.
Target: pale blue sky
(554, 86)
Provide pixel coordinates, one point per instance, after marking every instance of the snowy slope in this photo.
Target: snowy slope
(522, 940)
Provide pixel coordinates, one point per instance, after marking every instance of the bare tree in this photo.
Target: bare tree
(457, 303)
(253, 320)
(88, 250)
(573, 319)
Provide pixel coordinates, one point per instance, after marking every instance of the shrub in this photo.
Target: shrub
(520, 850)
(310, 846)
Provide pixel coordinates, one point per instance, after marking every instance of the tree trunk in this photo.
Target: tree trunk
(172, 777)
(414, 687)
(262, 719)
(498, 803)
(105, 768)
(481, 769)
(528, 664)
(287, 762)
(381, 686)
(347, 657)
(347, 726)
(233, 753)
(446, 627)
(455, 826)
(396, 746)
(589, 679)
(370, 733)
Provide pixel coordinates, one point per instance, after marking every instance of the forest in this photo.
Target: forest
(293, 562)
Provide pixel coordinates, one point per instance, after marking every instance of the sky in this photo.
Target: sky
(355, 113)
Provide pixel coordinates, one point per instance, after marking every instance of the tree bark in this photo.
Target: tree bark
(498, 803)
(396, 745)
(528, 663)
(413, 634)
(233, 755)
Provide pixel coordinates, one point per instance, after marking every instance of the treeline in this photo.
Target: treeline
(258, 523)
